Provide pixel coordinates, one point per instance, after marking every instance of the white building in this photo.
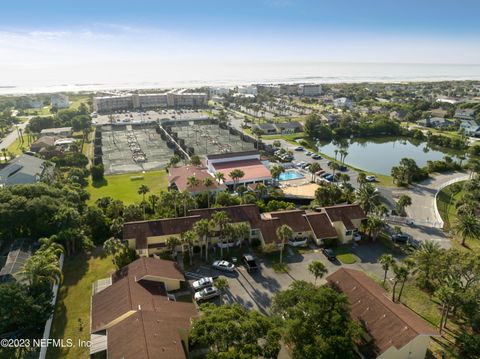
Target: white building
(470, 128)
(343, 102)
(247, 90)
(174, 98)
(59, 101)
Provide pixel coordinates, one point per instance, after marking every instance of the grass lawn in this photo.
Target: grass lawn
(344, 255)
(122, 187)
(72, 313)
(16, 148)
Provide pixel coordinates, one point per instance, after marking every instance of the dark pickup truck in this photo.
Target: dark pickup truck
(250, 263)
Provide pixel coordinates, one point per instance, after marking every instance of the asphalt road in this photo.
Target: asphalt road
(12, 136)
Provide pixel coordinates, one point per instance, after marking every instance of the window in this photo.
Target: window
(348, 233)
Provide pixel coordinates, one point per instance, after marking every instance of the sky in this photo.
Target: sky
(91, 41)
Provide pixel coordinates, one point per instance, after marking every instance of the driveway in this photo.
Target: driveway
(256, 290)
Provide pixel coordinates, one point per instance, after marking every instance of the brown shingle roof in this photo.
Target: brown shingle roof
(142, 229)
(295, 219)
(388, 323)
(153, 335)
(321, 225)
(345, 213)
(241, 213)
(130, 293)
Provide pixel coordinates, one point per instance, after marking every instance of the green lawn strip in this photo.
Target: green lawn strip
(344, 255)
(124, 188)
(289, 138)
(72, 313)
(17, 148)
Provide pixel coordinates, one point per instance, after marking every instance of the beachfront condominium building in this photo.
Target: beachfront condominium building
(310, 90)
(175, 98)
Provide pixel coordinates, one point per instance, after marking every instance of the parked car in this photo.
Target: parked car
(299, 148)
(206, 293)
(224, 265)
(357, 237)
(308, 153)
(250, 263)
(202, 283)
(316, 157)
(401, 238)
(329, 254)
(343, 168)
(371, 178)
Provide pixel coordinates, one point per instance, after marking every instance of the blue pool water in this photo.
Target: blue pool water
(290, 175)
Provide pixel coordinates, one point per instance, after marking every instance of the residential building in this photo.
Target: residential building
(178, 178)
(132, 315)
(174, 98)
(310, 90)
(470, 128)
(288, 127)
(391, 330)
(435, 122)
(329, 119)
(24, 169)
(149, 237)
(35, 103)
(265, 128)
(279, 128)
(269, 89)
(247, 90)
(346, 219)
(43, 142)
(20, 251)
(248, 161)
(59, 101)
(58, 132)
(467, 114)
(342, 102)
(439, 112)
(218, 91)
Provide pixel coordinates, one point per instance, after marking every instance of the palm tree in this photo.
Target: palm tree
(467, 227)
(50, 244)
(208, 182)
(284, 232)
(153, 201)
(220, 220)
(374, 226)
(42, 267)
(403, 202)
(401, 275)
(220, 177)
(236, 175)
(202, 229)
(260, 190)
(362, 178)
(172, 242)
(242, 230)
(192, 182)
(387, 261)
(343, 155)
(314, 168)
(143, 190)
(276, 171)
(188, 239)
(318, 269)
(368, 197)
(427, 258)
(4, 151)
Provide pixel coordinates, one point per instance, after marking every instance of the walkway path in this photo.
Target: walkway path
(12, 136)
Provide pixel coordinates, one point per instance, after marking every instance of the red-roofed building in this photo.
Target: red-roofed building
(178, 178)
(255, 171)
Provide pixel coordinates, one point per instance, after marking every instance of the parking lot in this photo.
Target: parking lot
(136, 117)
(256, 290)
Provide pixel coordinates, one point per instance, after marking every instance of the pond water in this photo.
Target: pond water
(379, 155)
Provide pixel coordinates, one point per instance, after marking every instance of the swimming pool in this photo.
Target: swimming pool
(290, 175)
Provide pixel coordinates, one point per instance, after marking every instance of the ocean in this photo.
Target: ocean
(172, 75)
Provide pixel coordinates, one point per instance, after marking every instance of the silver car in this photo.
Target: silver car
(224, 265)
(202, 283)
(207, 293)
